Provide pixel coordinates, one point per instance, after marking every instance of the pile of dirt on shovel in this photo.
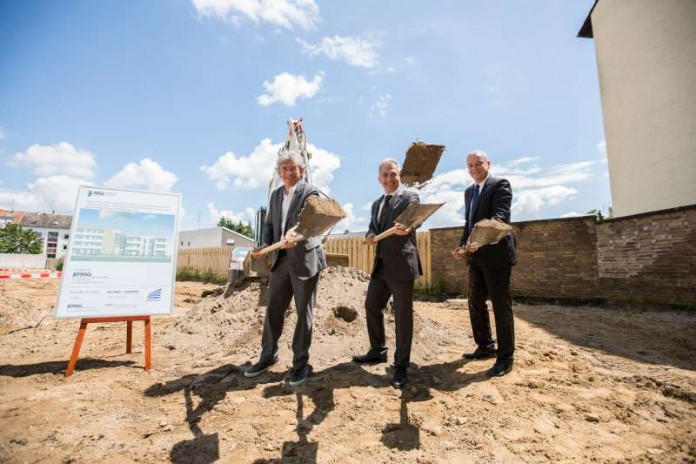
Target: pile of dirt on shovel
(231, 322)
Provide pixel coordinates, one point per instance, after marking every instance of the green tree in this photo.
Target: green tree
(596, 212)
(15, 239)
(243, 228)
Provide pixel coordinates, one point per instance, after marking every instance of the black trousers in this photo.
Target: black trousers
(487, 283)
(379, 290)
(283, 286)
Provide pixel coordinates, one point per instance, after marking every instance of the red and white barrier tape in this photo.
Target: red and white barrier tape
(32, 275)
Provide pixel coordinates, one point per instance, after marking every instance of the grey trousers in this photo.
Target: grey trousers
(379, 290)
(283, 286)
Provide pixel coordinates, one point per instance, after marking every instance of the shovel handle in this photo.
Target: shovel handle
(278, 245)
(385, 234)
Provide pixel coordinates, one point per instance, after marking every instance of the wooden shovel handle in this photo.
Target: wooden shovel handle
(278, 245)
(385, 234)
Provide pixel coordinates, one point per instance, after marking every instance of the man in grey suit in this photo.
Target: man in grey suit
(294, 271)
(394, 272)
(490, 266)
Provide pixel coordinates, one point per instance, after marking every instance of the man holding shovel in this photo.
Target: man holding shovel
(394, 272)
(489, 266)
(294, 270)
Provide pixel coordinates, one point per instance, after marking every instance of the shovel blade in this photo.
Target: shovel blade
(318, 215)
(417, 213)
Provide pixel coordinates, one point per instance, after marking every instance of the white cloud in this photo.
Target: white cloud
(535, 189)
(531, 202)
(245, 172)
(283, 13)
(602, 147)
(571, 214)
(351, 222)
(146, 175)
(556, 175)
(447, 187)
(322, 166)
(287, 88)
(256, 170)
(248, 215)
(61, 158)
(352, 50)
(53, 193)
(380, 107)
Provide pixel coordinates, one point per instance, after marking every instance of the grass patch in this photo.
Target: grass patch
(196, 275)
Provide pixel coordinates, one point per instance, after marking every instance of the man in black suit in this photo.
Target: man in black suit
(294, 271)
(489, 266)
(394, 271)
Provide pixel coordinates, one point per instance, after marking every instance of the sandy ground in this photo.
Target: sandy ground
(589, 385)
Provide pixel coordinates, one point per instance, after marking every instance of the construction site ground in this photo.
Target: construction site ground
(589, 384)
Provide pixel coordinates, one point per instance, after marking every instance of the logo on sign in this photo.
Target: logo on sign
(154, 295)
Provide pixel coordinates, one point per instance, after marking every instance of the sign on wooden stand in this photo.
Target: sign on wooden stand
(121, 262)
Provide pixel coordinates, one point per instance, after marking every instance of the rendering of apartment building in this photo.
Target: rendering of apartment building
(110, 242)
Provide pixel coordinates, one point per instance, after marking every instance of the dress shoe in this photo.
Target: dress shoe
(299, 375)
(481, 352)
(371, 356)
(400, 377)
(260, 367)
(500, 368)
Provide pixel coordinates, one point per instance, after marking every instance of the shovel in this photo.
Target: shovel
(415, 214)
(420, 163)
(316, 217)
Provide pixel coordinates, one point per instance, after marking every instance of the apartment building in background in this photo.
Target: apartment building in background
(54, 230)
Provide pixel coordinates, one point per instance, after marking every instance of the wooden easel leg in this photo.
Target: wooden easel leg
(148, 347)
(76, 348)
(129, 337)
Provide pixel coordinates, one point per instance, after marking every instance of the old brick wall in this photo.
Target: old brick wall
(649, 257)
(556, 259)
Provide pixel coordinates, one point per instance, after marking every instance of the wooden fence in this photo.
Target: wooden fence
(215, 259)
(362, 256)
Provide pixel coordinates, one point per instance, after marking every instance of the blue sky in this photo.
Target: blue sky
(193, 96)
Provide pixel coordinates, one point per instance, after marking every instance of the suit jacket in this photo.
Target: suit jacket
(495, 200)
(399, 253)
(307, 258)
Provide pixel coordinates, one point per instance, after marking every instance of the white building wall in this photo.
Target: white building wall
(213, 237)
(61, 244)
(646, 53)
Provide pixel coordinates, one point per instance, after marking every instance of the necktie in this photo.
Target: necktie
(472, 209)
(385, 212)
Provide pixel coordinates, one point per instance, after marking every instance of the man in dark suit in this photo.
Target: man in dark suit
(294, 271)
(489, 266)
(395, 269)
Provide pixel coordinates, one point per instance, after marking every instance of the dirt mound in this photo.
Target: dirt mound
(233, 324)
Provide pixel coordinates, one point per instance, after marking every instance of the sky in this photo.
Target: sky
(192, 97)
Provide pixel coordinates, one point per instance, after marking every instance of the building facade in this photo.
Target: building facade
(54, 230)
(212, 237)
(647, 74)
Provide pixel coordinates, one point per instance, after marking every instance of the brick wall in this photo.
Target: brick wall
(649, 258)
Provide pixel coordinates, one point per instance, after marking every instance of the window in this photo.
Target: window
(66, 236)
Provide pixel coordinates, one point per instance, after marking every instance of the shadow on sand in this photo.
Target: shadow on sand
(58, 367)
(666, 337)
(212, 387)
